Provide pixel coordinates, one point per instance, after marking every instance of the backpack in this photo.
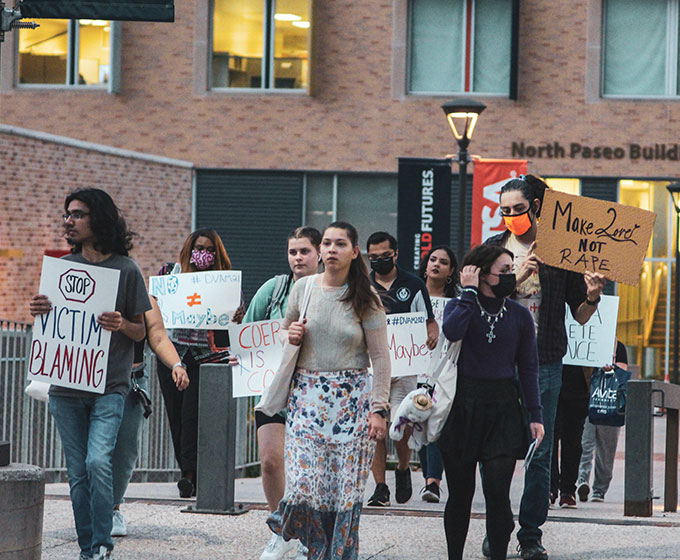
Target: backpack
(278, 295)
(607, 404)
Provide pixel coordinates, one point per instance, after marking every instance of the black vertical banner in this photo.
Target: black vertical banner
(423, 219)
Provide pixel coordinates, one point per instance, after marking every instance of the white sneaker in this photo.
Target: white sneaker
(103, 554)
(277, 548)
(302, 552)
(118, 529)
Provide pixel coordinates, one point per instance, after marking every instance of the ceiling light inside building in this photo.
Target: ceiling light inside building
(301, 24)
(286, 17)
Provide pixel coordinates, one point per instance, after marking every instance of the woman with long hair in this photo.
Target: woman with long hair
(487, 422)
(439, 270)
(270, 302)
(202, 250)
(334, 410)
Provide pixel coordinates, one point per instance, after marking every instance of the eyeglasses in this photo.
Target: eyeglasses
(76, 215)
(383, 257)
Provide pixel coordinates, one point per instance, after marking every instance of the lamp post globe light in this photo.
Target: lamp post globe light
(462, 115)
(674, 190)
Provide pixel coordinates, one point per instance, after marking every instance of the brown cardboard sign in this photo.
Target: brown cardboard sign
(580, 233)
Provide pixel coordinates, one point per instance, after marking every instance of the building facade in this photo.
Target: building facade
(296, 110)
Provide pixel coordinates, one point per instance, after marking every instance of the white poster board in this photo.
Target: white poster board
(592, 344)
(258, 349)
(406, 339)
(438, 305)
(197, 300)
(69, 347)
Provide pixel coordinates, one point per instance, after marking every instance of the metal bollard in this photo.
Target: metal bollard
(216, 466)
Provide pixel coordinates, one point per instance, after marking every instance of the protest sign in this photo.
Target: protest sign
(406, 339)
(197, 300)
(69, 347)
(592, 344)
(438, 305)
(579, 233)
(258, 349)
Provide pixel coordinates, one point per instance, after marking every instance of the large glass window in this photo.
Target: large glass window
(261, 44)
(66, 52)
(640, 48)
(460, 46)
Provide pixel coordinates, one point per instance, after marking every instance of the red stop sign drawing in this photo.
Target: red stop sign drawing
(76, 285)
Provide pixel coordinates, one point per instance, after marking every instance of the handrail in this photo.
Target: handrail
(651, 310)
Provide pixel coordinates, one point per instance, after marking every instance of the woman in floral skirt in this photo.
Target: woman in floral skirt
(336, 409)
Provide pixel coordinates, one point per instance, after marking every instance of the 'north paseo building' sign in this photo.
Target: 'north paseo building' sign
(576, 150)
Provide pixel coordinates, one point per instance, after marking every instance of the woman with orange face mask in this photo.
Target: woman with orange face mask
(543, 290)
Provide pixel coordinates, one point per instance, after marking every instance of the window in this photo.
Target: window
(261, 44)
(640, 48)
(463, 46)
(66, 52)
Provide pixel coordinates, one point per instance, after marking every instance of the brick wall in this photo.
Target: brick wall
(354, 120)
(35, 177)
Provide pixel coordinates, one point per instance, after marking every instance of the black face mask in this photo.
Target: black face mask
(383, 266)
(506, 285)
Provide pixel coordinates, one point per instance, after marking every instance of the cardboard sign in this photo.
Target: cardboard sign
(197, 300)
(69, 347)
(592, 344)
(259, 349)
(579, 233)
(406, 338)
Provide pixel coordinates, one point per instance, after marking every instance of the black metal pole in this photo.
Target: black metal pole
(676, 307)
(462, 191)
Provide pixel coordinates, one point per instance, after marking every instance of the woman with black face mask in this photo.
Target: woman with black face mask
(487, 423)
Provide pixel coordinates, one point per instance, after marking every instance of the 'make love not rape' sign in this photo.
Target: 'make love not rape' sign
(579, 233)
(69, 347)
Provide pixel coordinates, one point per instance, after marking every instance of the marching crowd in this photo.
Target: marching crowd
(505, 312)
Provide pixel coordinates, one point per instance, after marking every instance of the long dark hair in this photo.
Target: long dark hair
(530, 186)
(106, 222)
(222, 261)
(360, 292)
(451, 288)
(483, 256)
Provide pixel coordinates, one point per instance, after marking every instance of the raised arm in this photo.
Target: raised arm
(163, 347)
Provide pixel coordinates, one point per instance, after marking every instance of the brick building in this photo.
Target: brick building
(297, 110)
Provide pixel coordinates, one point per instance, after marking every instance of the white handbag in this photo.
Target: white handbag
(444, 374)
(38, 390)
(275, 396)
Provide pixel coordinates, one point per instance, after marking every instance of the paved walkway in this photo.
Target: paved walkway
(159, 528)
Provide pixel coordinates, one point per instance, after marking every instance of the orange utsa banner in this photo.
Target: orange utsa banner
(490, 175)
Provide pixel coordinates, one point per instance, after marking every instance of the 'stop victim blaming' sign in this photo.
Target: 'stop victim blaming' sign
(579, 233)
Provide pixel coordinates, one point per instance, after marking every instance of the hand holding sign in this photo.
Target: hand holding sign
(594, 284)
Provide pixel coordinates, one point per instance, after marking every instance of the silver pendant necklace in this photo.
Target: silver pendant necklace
(491, 318)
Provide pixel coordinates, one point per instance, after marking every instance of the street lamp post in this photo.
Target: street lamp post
(462, 115)
(674, 190)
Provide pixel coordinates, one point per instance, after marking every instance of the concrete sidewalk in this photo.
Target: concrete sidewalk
(159, 529)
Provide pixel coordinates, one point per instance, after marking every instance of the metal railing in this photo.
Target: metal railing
(29, 427)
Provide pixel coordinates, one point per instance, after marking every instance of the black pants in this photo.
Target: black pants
(571, 415)
(460, 478)
(182, 409)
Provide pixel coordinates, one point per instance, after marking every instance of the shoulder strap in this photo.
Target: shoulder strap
(309, 286)
(280, 289)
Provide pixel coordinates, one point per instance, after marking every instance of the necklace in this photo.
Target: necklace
(491, 318)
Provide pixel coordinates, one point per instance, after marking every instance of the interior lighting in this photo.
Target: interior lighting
(286, 17)
(301, 24)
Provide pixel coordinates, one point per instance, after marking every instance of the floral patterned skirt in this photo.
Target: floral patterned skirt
(328, 457)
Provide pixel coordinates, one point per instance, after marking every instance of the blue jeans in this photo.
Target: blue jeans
(88, 427)
(127, 447)
(431, 461)
(533, 509)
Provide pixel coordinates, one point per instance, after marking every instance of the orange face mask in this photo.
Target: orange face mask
(519, 224)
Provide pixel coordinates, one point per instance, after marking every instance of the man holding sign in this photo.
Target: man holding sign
(88, 422)
(400, 292)
(544, 290)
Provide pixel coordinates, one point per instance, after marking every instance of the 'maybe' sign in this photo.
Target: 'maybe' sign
(579, 233)
(69, 347)
(197, 300)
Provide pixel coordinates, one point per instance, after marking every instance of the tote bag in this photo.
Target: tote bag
(607, 404)
(275, 397)
(444, 375)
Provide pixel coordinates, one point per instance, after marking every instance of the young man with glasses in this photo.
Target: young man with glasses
(88, 422)
(400, 292)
